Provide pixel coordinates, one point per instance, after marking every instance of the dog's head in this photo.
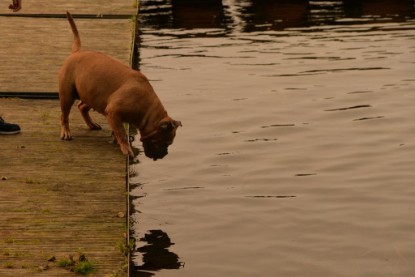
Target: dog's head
(156, 145)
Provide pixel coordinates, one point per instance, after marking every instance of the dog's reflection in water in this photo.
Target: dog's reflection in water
(156, 254)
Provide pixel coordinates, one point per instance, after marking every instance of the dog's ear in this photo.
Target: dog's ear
(177, 123)
(170, 125)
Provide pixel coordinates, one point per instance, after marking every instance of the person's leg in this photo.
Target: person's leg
(16, 6)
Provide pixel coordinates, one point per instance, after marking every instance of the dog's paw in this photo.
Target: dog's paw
(126, 150)
(66, 136)
(94, 126)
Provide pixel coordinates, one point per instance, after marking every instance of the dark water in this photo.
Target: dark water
(296, 156)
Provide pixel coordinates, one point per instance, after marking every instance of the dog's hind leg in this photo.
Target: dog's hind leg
(84, 109)
(66, 105)
(67, 96)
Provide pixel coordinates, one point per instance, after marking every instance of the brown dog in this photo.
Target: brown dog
(118, 92)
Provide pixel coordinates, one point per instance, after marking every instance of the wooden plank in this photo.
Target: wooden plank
(59, 197)
(32, 49)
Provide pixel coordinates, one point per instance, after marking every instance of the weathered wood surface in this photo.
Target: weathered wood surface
(58, 198)
(32, 49)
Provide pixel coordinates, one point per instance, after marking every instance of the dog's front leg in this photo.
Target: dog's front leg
(119, 133)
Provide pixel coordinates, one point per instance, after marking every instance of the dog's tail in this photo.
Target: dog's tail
(76, 45)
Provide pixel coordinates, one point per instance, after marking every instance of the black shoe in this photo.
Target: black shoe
(8, 128)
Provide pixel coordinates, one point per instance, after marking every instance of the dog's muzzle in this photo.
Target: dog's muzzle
(154, 151)
(156, 142)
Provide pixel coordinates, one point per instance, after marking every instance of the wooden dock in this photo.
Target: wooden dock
(59, 198)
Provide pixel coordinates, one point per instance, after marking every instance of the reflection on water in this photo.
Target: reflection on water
(156, 254)
(152, 251)
(296, 155)
(256, 15)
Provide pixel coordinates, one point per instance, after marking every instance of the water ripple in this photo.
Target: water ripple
(349, 108)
